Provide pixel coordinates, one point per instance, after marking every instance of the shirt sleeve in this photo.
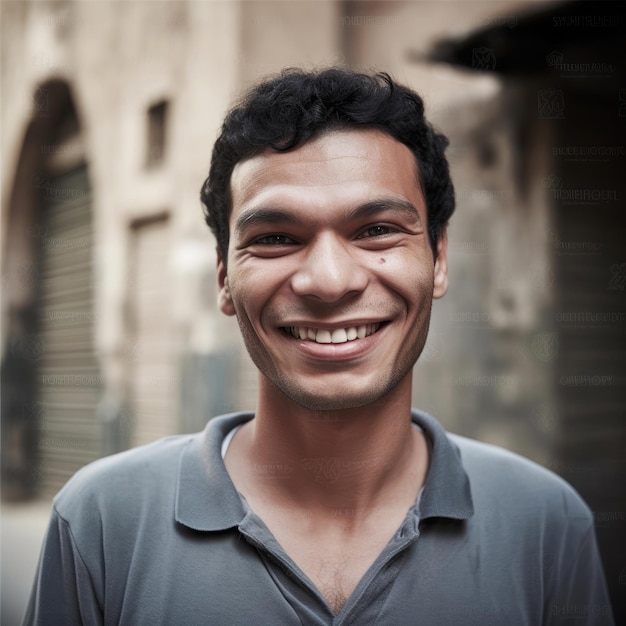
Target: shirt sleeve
(63, 591)
(581, 596)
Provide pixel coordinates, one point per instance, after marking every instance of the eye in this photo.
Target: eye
(377, 230)
(274, 240)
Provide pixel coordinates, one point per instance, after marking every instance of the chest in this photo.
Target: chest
(334, 569)
(334, 559)
(220, 575)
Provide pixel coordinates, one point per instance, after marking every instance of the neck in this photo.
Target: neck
(350, 459)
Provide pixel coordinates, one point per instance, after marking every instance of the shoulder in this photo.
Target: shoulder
(518, 484)
(143, 481)
(124, 480)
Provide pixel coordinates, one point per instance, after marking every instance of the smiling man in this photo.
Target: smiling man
(335, 502)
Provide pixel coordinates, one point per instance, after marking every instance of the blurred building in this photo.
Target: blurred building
(110, 333)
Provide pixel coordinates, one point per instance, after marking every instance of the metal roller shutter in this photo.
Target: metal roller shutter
(69, 381)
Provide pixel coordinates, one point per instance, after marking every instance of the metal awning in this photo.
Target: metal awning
(587, 31)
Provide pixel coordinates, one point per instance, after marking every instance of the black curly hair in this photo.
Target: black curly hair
(286, 110)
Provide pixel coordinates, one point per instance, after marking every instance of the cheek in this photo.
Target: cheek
(240, 286)
(253, 288)
(412, 277)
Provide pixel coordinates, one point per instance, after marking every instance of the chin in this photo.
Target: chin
(319, 403)
(322, 400)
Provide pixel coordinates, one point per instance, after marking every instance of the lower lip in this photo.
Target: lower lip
(337, 351)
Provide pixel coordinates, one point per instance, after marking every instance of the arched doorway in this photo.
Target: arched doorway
(50, 376)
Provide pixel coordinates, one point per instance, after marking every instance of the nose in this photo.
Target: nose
(330, 270)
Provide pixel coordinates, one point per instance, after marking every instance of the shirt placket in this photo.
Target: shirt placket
(366, 601)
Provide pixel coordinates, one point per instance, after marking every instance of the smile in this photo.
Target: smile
(339, 335)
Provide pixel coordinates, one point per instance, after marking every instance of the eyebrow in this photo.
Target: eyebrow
(381, 205)
(266, 215)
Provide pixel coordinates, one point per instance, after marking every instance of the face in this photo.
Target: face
(330, 271)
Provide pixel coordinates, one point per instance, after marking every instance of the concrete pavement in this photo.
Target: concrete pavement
(22, 528)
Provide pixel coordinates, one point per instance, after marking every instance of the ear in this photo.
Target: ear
(440, 285)
(224, 299)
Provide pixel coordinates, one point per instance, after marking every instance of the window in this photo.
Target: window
(157, 121)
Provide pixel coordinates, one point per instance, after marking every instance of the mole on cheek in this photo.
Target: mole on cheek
(383, 260)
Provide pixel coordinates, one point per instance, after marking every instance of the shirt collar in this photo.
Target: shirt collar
(446, 491)
(206, 498)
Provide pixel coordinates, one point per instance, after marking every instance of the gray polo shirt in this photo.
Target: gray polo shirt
(159, 535)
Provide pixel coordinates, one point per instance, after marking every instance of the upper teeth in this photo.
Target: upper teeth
(339, 335)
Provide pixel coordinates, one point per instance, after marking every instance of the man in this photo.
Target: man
(334, 503)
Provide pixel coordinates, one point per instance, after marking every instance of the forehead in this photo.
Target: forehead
(337, 167)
